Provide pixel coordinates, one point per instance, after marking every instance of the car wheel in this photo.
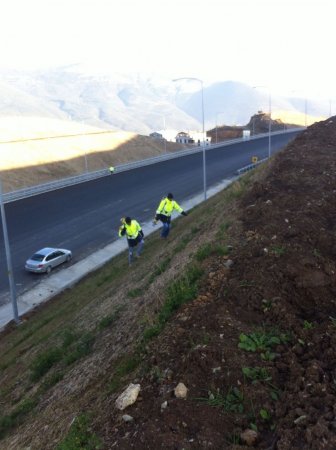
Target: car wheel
(48, 269)
(68, 258)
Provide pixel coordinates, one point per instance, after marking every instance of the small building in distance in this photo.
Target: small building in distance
(192, 138)
(156, 135)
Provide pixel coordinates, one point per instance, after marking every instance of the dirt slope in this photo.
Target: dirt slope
(253, 342)
(283, 283)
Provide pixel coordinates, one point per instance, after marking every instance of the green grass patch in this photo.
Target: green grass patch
(44, 361)
(134, 293)
(211, 249)
(181, 291)
(52, 379)
(159, 270)
(232, 401)
(80, 436)
(222, 230)
(82, 348)
(108, 320)
(204, 252)
(10, 421)
(74, 347)
(68, 338)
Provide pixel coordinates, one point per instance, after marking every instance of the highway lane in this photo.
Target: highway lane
(86, 217)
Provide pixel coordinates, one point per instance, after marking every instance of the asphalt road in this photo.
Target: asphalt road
(86, 217)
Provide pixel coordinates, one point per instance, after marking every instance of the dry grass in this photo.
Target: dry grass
(37, 150)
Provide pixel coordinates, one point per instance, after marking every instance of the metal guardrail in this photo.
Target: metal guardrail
(251, 166)
(89, 176)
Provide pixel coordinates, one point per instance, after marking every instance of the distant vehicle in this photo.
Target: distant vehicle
(46, 259)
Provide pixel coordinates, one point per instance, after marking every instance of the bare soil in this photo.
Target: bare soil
(282, 281)
(277, 286)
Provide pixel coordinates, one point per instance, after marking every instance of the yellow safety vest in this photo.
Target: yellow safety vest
(167, 206)
(131, 230)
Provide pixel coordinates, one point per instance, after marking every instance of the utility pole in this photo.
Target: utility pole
(8, 258)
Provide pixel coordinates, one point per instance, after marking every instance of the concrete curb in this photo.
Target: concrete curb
(58, 282)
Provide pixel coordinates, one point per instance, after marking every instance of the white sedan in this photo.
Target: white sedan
(46, 259)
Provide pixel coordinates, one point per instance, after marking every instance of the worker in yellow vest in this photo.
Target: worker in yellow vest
(164, 212)
(134, 234)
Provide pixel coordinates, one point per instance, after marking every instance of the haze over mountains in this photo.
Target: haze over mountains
(141, 104)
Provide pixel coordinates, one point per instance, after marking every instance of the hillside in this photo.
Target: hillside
(39, 150)
(141, 103)
(238, 305)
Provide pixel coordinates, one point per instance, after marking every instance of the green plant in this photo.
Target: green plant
(80, 436)
(278, 251)
(151, 332)
(256, 374)
(262, 341)
(308, 325)
(234, 438)
(44, 361)
(222, 230)
(266, 305)
(156, 374)
(68, 338)
(231, 402)
(52, 379)
(316, 253)
(254, 427)
(82, 348)
(203, 252)
(111, 318)
(205, 338)
(265, 415)
(106, 321)
(180, 292)
(234, 400)
(159, 270)
(221, 250)
(246, 283)
(136, 292)
(267, 355)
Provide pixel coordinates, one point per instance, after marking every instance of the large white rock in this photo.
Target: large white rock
(181, 391)
(128, 397)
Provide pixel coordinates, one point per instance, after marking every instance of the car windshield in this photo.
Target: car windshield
(37, 257)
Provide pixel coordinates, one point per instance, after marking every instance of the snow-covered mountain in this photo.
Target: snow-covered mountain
(137, 103)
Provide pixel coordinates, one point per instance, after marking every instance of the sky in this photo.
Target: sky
(286, 46)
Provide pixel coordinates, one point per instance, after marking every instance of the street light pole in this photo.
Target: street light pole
(270, 117)
(203, 130)
(164, 137)
(8, 258)
(83, 144)
(305, 112)
(270, 122)
(217, 114)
